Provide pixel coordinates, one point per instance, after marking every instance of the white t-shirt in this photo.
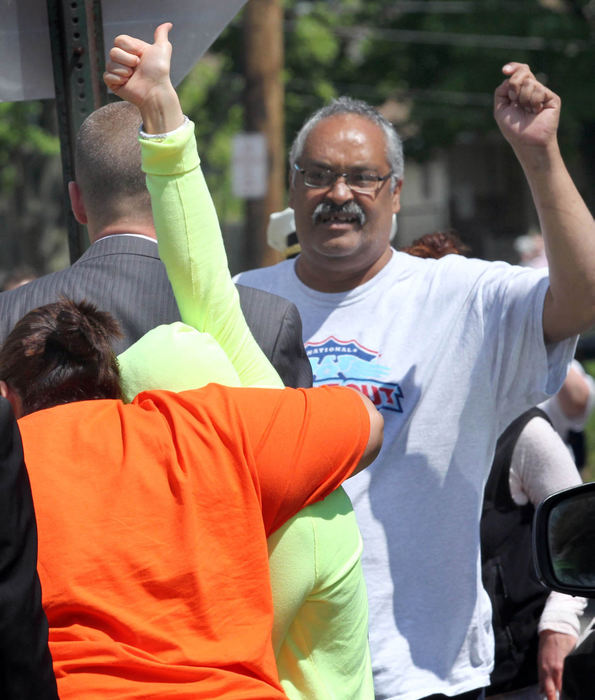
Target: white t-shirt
(561, 422)
(451, 351)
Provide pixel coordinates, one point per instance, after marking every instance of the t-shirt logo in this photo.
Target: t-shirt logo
(347, 363)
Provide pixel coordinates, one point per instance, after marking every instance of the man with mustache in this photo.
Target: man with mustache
(450, 351)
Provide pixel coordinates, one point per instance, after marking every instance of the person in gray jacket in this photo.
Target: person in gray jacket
(121, 272)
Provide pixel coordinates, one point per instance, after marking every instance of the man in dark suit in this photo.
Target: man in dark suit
(25, 663)
(121, 271)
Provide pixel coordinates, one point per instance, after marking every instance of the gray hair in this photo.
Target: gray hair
(347, 105)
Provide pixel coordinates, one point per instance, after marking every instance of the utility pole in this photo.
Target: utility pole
(263, 105)
(76, 34)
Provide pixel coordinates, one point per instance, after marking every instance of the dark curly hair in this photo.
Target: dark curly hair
(59, 353)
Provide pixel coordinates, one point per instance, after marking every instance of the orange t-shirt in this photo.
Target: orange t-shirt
(153, 519)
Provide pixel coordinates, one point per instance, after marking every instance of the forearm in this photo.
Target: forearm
(553, 649)
(528, 114)
(191, 247)
(161, 111)
(569, 235)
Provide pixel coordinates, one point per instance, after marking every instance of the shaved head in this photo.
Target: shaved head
(108, 165)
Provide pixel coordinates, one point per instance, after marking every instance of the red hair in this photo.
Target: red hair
(436, 245)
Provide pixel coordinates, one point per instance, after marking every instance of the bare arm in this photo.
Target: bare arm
(376, 434)
(554, 647)
(528, 113)
(574, 395)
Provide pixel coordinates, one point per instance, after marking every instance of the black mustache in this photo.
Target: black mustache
(350, 208)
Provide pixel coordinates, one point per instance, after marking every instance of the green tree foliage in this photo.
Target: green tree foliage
(448, 60)
(31, 210)
(25, 131)
(211, 96)
(437, 60)
(440, 58)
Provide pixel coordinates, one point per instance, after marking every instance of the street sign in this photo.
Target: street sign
(249, 170)
(25, 52)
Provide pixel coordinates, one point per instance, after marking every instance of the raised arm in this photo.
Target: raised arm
(528, 113)
(190, 242)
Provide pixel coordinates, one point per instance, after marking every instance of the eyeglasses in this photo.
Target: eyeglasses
(365, 181)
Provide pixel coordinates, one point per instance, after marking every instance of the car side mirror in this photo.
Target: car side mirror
(564, 541)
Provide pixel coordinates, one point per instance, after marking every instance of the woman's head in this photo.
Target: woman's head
(60, 353)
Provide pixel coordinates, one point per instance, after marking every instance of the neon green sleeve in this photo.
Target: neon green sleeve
(320, 629)
(191, 247)
(335, 655)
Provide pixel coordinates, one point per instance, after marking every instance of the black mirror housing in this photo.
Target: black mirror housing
(564, 541)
